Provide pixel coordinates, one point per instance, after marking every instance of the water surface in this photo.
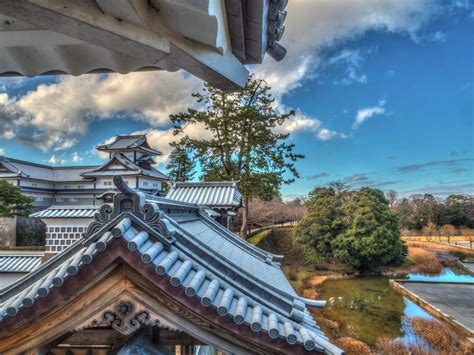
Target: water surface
(448, 274)
(367, 308)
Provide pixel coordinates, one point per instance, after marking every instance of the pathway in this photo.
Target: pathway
(450, 302)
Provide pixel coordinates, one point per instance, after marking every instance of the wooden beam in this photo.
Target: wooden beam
(97, 336)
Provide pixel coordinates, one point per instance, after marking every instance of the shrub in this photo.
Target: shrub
(356, 228)
(427, 261)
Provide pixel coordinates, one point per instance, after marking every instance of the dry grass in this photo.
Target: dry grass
(435, 238)
(293, 274)
(330, 327)
(439, 336)
(353, 346)
(440, 247)
(426, 261)
(397, 347)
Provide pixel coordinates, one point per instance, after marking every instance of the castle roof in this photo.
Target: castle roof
(129, 142)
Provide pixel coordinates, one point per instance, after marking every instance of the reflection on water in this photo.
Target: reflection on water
(448, 274)
(367, 308)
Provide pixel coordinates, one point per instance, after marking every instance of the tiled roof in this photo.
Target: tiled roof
(17, 261)
(43, 172)
(129, 142)
(213, 194)
(80, 211)
(208, 262)
(134, 169)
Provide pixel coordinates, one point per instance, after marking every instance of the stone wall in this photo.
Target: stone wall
(7, 232)
(30, 232)
(22, 231)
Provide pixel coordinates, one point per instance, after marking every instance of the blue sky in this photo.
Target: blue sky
(384, 95)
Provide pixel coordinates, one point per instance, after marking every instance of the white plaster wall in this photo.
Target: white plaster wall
(7, 278)
(37, 184)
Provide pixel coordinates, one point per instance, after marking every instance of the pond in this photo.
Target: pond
(367, 308)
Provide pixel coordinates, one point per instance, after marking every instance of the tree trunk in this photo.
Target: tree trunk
(245, 219)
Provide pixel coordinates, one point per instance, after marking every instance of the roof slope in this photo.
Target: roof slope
(213, 194)
(123, 142)
(133, 169)
(43, 172)
(222, 274)
(81, 211)
(18, 261)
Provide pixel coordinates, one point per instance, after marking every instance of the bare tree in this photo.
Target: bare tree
(448, 230)
(391, 197)
(339, 186)
(430, 229)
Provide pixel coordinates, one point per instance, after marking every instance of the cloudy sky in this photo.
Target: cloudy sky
(383, 91)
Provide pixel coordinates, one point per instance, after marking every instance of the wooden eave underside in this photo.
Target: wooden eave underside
(116, 274)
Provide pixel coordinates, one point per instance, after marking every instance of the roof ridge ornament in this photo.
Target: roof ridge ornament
(128, 200)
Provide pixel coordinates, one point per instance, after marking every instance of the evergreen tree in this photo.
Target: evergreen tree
(245, 145)
(355, 227)
(13, 202)
(181, 166)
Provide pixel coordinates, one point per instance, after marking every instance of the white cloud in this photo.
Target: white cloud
(439, 37)
(2, 151)
(365, 113)
(55, 160)
(76, 158)
(314, 25)
(326, 134)
(303, 123)
(351, 59)
(59, 113)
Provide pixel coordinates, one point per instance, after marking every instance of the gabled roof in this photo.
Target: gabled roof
(240, 282)
(129, 142)
(42, 172)
(224, 194)
(133, 169)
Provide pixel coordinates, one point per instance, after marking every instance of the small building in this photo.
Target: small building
(158, 275)
(222, 197)
(64, 225)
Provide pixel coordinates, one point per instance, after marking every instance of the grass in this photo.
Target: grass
(353, 346)
(409, 260)
(427, 262)
(397, 347)
(439, 247)
(435, 238)
(257, 238)
(439, 336)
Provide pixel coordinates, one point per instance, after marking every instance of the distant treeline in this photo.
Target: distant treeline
(427, 213)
